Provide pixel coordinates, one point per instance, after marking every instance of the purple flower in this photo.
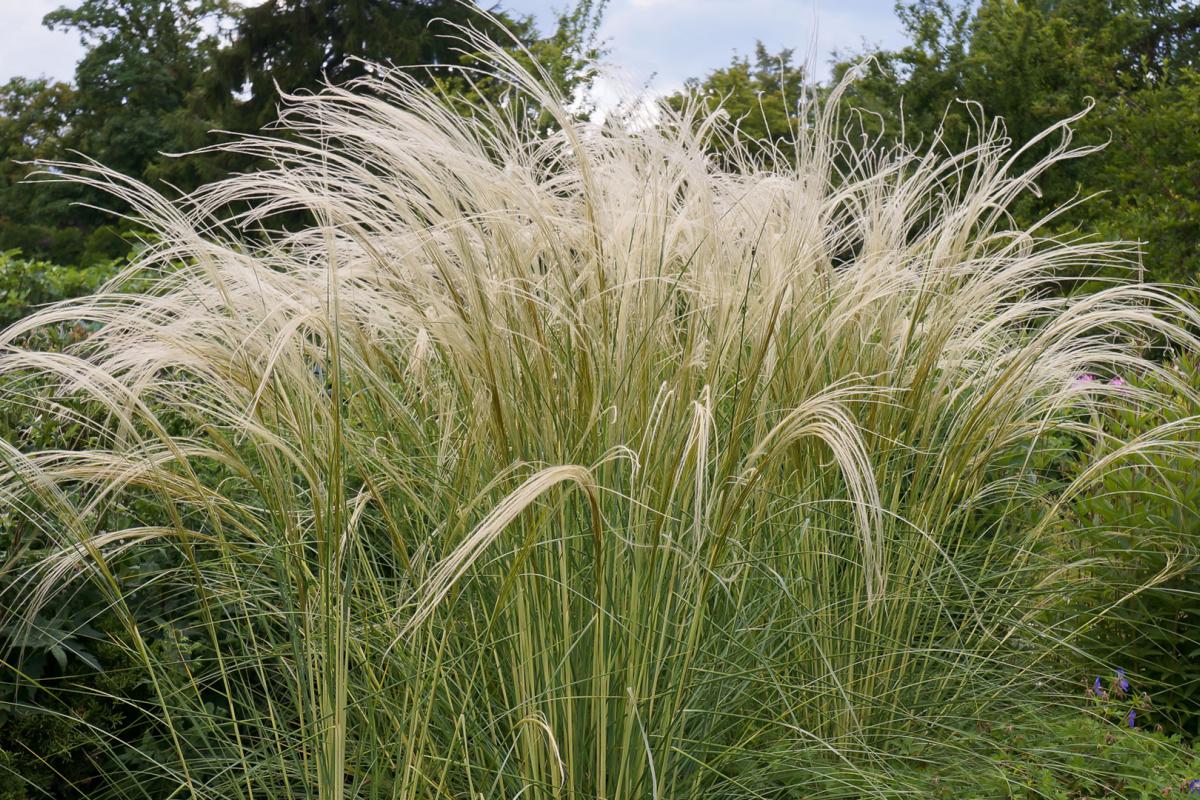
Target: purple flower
(1085, 378)
(1193, 787)
(1132, 717)
(1121, 681)
(1117, 382)
(1096, 688)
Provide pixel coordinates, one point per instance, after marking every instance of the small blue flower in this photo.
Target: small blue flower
(1096, 687)
(1132, 717)
(1121, 681)
(1193, 787)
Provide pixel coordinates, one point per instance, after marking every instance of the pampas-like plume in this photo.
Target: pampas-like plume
(333, 404)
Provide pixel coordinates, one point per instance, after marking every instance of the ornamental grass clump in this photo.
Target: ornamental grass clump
(492, 460)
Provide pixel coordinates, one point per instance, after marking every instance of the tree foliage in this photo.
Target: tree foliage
(35, 120)
(296, 44)
(763, 95)
(158, 77)
(1032, 62)
(566, 59)
(1150, 175)
(140, 84)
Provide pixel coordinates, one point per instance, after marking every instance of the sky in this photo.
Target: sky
(653, 43)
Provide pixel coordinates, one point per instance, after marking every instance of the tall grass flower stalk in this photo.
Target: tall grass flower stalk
(498, 461)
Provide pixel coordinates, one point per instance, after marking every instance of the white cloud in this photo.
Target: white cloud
(678, 39)
(676, 4)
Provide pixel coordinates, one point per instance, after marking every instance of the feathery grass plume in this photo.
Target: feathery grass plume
(802, 402)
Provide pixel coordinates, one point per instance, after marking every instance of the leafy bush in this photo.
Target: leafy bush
(68, 679)
(1141, 526)
(1069, 755)
(26, 284)
(568, 463)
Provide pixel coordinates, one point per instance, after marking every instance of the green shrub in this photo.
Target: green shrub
(1141, 526)
(68, 678)
(1071, 754)
(25, 284)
